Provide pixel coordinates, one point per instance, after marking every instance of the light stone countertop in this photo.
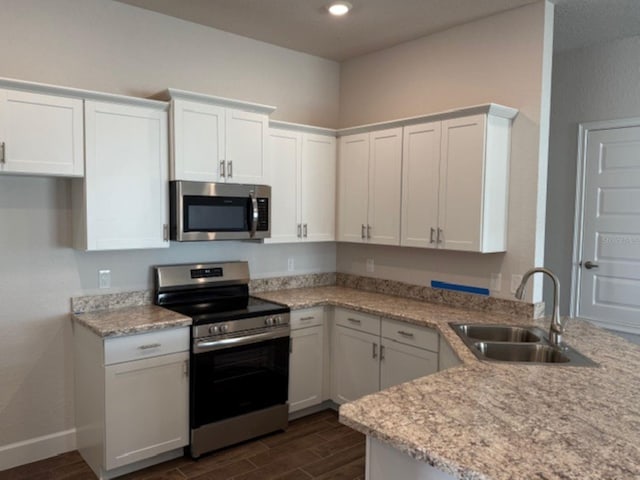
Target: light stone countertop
(501, 421)
(129, 320)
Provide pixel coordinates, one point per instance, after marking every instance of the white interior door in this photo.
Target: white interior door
(609, 276)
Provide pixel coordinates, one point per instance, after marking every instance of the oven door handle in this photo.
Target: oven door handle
(254, 215)
(207, 346)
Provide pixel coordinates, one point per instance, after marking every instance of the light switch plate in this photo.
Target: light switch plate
(370, 265)
(104, 278)
(291, 264)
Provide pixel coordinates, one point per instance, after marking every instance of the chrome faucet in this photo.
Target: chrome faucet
(556, 328)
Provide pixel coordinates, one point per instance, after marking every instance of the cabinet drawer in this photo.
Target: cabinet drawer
(144, 345)
(422, 337)
(358, 321)
(309, 317)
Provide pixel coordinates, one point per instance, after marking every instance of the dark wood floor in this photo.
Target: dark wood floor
(315, 447)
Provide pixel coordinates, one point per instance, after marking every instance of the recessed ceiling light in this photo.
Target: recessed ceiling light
(339, 8)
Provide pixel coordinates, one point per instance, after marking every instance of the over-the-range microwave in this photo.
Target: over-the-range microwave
(201, 211)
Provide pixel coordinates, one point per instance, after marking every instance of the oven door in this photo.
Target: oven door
(234, 376)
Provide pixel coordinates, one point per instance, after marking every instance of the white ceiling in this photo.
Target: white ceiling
(305, 25)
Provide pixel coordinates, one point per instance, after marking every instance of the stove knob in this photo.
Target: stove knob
(213, 330)
(278, 320)
(224, 328)
(268, 321)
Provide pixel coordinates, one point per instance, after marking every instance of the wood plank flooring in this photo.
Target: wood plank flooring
(315, 447)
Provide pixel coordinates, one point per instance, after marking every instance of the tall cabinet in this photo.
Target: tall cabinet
(303, 171)
(369, 182)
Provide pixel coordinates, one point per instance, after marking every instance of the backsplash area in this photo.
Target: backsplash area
(390, 287)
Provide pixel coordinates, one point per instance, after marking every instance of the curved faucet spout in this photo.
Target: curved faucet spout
(556, 329)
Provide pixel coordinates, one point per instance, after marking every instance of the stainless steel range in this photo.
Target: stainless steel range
(239, 353)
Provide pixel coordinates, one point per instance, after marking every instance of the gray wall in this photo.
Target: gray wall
(590, 84)
(505, 58)
(108, 46)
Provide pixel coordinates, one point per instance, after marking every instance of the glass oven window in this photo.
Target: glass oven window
(216, 214)
(238, 380)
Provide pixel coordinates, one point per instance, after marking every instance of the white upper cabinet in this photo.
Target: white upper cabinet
(122, 202)
(369, 187)
(40, 134)
(455, 182)
(218, 140)
(303, 172)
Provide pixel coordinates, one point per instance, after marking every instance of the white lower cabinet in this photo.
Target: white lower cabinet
(132, 398)
(370, 353)
(306, 362)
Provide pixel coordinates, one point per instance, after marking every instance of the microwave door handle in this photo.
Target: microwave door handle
(254, 216)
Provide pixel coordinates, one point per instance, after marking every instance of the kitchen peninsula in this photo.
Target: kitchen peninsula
(496, 421)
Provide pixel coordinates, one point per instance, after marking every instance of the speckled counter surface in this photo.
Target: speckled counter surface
(130, 320)
(502, 421)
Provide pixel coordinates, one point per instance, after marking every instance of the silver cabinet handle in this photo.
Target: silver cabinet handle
(299, 230)
(306, 319)
(381, 352)
(368, 231)
(185, 368)
(433, 231)
(304, 230)
(589, 265)
(230, 169)
(149, 346)
(165, 232)
(362, 234)
(405, 334)
(375, 350)
(354, 320)
(223, 171)
(3, 151)
(439, 236)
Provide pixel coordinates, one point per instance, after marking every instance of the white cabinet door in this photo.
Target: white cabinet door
(353, 193)
(285, 149)
(246, 147)
(40, 134)
(305, 367)
(462, 183)
(318, 188)
(198, 132)
(400, 363)
(385, 166)
(355, 364)
(420, 180)
(146, 408)
(126, 177)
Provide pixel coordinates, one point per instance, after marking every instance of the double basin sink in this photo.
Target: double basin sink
(516, 344)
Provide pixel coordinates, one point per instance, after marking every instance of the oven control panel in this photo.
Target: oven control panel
(234, 328)
(274, 320)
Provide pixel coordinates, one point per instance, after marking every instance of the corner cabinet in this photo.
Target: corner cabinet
(215, 139)
(40, 134)
(303, 172)
(132, 398)
(369, 182)
(122, 203)
(455, 178)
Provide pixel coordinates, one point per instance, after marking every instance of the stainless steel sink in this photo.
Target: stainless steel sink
(498, 333)
(517, 344)
(523, 352)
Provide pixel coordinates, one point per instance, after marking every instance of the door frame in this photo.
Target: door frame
(578, 237)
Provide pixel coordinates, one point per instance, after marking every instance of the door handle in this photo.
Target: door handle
(304, 230)
(299, 230)
(439, 236)
(230, 168)
(362, 230)
(433, 231)
(223, 171)
(589, 265)
(368, 231)
(375, 350)
(381, 352)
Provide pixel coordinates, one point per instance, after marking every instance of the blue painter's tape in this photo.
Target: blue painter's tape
(459, 288)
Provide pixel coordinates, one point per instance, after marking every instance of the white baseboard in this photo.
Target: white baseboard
(38, 448)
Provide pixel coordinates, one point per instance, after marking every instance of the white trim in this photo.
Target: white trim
(299, 127)
(175, 93)
(37, 448)
(583, 132)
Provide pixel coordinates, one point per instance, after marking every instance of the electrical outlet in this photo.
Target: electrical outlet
(291, 264)
(496, 282)
(370, 265)
(515, 282)
(104, 278)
